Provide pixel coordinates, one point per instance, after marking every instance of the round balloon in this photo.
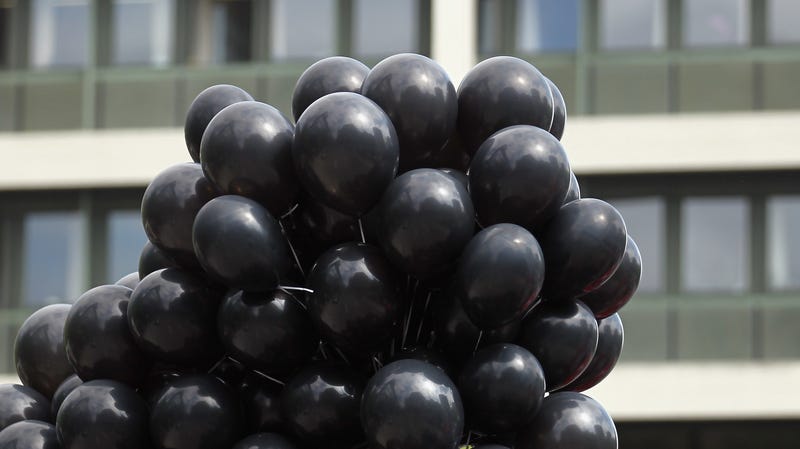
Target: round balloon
(152, 259)
(424, 354)
(20, 403)
(559, 111)
(204, 107)
(345, 152)
(326, 76)
(265, 441)
(609, 347)
(129, 280)
(620, 287)
(70, 383)
(261, 402)
(567, 420)
(574, 191)
(39, 354)
(29, 435)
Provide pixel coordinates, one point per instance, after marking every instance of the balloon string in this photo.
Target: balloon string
(408, 322)
(469, 436)
(553, 109)
(290, 211)
(477, 343)
(296, 299)
(341, 354)
(291, 287)
(391, 347)
(361, 230)
(216, 365)
(291, 248)
(422, 317)
(322, 350)
(268, 377)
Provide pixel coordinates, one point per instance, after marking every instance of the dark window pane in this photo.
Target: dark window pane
(230, 23)
(632, 24)
(5, 34)
(783, 17)
(59, 33)
(547, 25)
(716, 23)
(645, 220)
(783, 243)
(142, 31)
(385, 27)
(296, 33)
(125, 241)
(490, 27)
(715, 245)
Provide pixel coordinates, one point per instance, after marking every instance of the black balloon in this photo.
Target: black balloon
(568, 420)
(583, 245)
(499, 275)
(357, 302)
(247, 151)
(265, 441)
(426, 219)
(98, 340)
(196, 412)
(345, 152)
(39, 354)
(563, 337)
(620, 287)
(261, 402)
(459, 175)
(419, 97)
(559, 111)
(574, 191)
(204, 107)
(169, 206)
(519, 175)
(152, 259)
(70, 383)
(129, 280)
(20, 403)
(424, 354)
(500, 92)
(240, 244)
(103, 414)
(266, 331)
(29, 435)
(326, 76)
(609, 347)
(411, 404)
(172, 315)
(321, 405)
(502, 387)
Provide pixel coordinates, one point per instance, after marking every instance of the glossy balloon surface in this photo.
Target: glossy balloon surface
(196, 412)
(172, 316)
(345, 152)
(421, 101)
(204, 107)
(620, 287)
(247, 151)
(39, 354)
(169, 206)
(519, 175)
(265, 441)
(70, 383)
(574, 191)
(424, 354)
(559, 112)
(563, 337)
(426, 219)
(20, 403)
(500, 92)
(98, 340)
(502, 387)
(240, 244)
(499, 275)
(129, 280)
(583, 245)
(103, 413)
(326, 76)
(152, 259)
(261, 402)
(357, 301)
(609, 347)
(266, 331)
(459, 175)
(411, 404)
(568, 420)
(29, 435)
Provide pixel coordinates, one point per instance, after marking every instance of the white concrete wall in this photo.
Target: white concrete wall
(454, 37)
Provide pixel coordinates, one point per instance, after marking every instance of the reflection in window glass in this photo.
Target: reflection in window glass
(5, 34)
(53, 258)
(645, 220)
(125, 241)
(230, 35)
(715, 244)
(783, 17)
(59, 33)
(490, 27)
(385, 27)
(716, 23)
(632, 24)
(142, 31)
(783, 243)
(547, 25)
(298, 34)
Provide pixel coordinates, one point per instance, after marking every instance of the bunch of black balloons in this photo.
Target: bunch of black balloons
(406, 266)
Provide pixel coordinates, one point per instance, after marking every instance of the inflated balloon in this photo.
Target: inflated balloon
(620, 287)
(345, 152)
(98, 340)
(152, 259)
(559, 111)
(172, 315)
(500, 92)
(609, 347)
(265, 441)
(326, 76)
(568, 420)
(129, 280)
(20, 403)
(39, 355)
(499, 275)
(169, 206)
(103, 413)
(240, 244)
(247, 151)
(196, 412)
(419, 97)
(519, 175)
(261, 402)
(502, 387)
(29, 435)
(459, 175)
(413, 405)
(357, 301)
(204, 107)
(583, 245)
(424, 354)
(321, 405)
(426, 219)
(574, 191)
(70, 383)
(563, 337)
(266, 331)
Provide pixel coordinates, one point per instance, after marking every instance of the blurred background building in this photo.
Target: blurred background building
(685, 114)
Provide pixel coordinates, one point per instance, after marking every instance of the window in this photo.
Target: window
(547, 25)
(782, 19)
(632, 24)
(715, 244)
(142, 31)
(298, 34)
(59, 33)
(223, 32)
(490, 27)
(645, 220)
(783, 243)
(385, 27)
(716, 23)
(5, 34)
(125, 241)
